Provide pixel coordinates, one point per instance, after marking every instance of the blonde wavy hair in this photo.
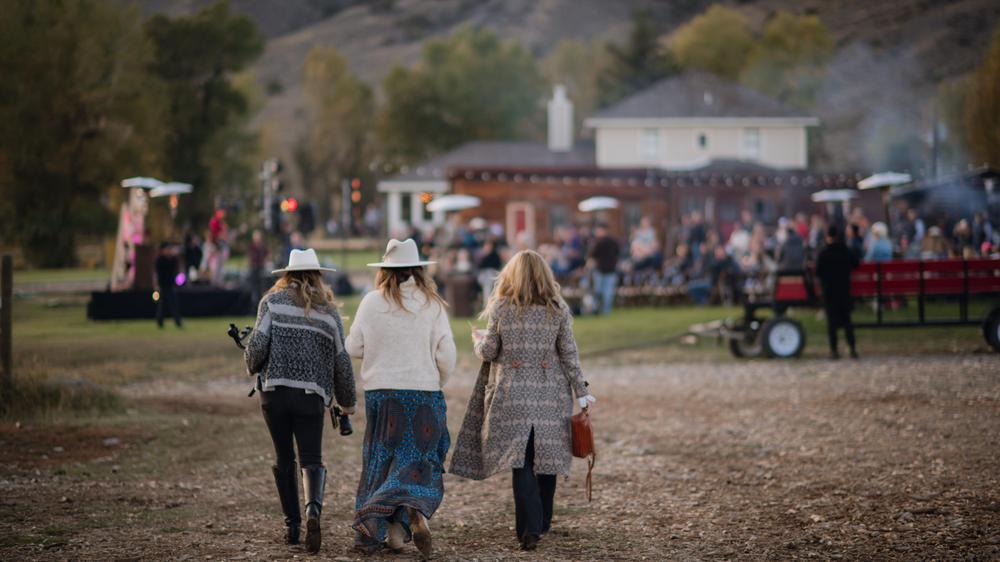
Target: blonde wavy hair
(389, 279)
(308, 289)
(526, 280)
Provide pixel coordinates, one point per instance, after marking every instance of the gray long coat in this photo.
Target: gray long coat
(530, 373)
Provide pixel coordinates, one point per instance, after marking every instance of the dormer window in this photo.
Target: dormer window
(702, 141)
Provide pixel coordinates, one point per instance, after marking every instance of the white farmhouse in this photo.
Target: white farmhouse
(686, 122)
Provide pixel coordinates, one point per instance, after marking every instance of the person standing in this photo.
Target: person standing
(879, 247)
(791, 252)
(297, 353)
(518, 417)
(166, 284)
(833, 268)
(604, 255)
(402, 335)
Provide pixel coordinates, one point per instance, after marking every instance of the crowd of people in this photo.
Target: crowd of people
(705, 263)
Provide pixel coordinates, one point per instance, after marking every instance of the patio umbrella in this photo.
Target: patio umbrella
(139, 181)
(453, 203)
(884, 179)
(599, 203)
(834, 196)
(172, 188)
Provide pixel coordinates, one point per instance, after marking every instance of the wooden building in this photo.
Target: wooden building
(689, 143)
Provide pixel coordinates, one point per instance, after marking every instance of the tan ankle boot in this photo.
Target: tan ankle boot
(421, 532)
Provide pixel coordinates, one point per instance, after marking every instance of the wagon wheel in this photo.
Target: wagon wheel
(991, 329)
(783, 337)
(747, 344)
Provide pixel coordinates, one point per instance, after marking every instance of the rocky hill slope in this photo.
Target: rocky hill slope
(891, 53)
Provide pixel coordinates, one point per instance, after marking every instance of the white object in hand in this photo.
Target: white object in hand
(478, 334)
(585, 401)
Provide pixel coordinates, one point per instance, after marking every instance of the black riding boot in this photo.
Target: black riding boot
(314, 480)
(287, 482)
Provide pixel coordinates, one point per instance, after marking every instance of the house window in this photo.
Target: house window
(650, 145)
(751, 143)
(702, 140)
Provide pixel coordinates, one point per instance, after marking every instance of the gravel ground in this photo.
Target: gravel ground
(883, 458)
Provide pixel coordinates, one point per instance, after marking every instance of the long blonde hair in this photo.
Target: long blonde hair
(526, 280)
(307, 288)
(389, 279)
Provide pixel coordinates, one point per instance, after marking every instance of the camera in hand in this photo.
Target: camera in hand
(339, 419)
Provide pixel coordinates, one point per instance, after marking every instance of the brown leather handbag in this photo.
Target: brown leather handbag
(583, 444)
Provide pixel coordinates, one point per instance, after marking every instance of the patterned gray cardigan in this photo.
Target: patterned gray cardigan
(288, 348)
(530, 372)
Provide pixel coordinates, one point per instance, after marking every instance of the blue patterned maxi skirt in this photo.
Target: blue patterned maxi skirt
(402, 461)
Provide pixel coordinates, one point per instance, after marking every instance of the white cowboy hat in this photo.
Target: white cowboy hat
(302, 260)
(401, 254)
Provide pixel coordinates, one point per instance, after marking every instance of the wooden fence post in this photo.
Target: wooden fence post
(6, 322)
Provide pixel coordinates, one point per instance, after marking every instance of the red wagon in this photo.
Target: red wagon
(957, 282)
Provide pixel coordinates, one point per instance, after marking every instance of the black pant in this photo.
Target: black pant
(290, 412)
(838, 315)
(168, 300)
(533, 494)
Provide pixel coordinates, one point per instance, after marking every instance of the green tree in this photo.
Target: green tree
(340, 141)
(467, 86)
(641, 61)
(982, 109)
(79, 113)
(949, 107)
(789, 60)
(578, 65)
(718, 41)
(196, 56)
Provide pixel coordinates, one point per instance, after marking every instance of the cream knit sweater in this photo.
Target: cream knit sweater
(410, 349)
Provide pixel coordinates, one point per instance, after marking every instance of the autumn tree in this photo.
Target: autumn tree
(79, 113)
(196, 57)
(982, 109)
(636, 64)
(340, 141)
(468, 86)
(789, 59)
(718, 41)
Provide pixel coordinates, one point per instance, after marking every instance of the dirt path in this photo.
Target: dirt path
(887, 458)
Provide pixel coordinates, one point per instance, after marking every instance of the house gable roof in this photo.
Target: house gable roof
(498, 155)
(697, 95)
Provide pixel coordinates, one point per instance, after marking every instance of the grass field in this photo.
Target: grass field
(53, 340)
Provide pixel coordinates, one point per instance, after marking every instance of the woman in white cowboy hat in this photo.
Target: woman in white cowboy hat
(402, 335)
(297, 352)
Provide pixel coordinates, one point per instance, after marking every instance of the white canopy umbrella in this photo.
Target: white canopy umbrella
(834, 196)
(599, 203)
(172, 188)
(453, 203)
(884, 179)
(139, 181)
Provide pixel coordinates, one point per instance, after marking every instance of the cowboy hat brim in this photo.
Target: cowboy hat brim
(302, 268)
(397, 265)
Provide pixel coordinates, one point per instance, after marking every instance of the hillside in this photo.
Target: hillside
(891, 53)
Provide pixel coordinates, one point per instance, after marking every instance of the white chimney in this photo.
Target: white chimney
(560, 121)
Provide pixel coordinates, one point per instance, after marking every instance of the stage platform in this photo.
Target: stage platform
(194, 301)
